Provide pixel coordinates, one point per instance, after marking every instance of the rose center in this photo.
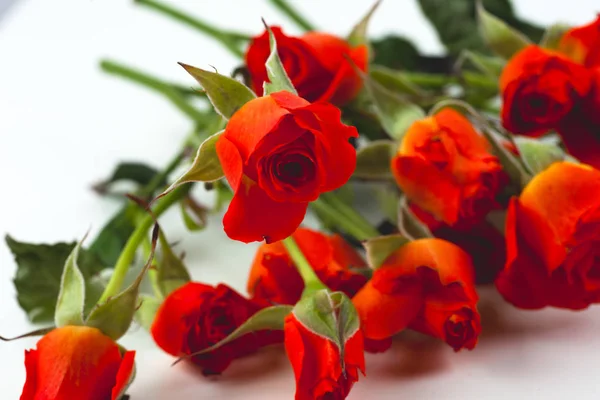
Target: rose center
(295, 169)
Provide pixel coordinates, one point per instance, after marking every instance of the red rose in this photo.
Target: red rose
(197, 316)
(315, 62)
(426, 285)
(539, 89)
(580, 131)
(279, 152)
(77, 362)
(275, 280)
(553, 240)
(322, 370)
(446, 168)
(582, 44)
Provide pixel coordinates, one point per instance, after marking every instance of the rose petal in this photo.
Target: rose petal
(253, 216)
(124, 374)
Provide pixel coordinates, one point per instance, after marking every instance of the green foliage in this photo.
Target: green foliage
(38, 277)
(456, 24)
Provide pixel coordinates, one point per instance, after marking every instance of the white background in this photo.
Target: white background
(64, 125)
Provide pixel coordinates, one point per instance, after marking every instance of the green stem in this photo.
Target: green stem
(334, 200)
(294, 15)
(136, 239)
(159, 178)
(342, 221)
(310, 278)
(230, 40)
(170, 91)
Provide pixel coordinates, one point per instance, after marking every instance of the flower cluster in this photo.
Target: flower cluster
(475, 198)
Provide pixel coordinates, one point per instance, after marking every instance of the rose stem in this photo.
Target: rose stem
(333, 199)
(174, 93)
(230, 40)
(293, 14)
(312, 282)
(358, 232)
(136, 239)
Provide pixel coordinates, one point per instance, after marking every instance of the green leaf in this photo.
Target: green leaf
(331, 315)
(226, 94)
(278, 78)
(373, 161)
(206, 167)
(110, 241)
(171, 273)
(358, 36)
(491, 66)
(501, 38)
(194, 215)
(139, 173)
(537, 155)
(114, 316)
(409, 225)
(38, 276)
(395, 81)
(380, 248)
(397, 53)
(553, 35)
(395, 114)
(456, 24)
(270, 318)
(147, 311)
(71, 297)
(37, 332)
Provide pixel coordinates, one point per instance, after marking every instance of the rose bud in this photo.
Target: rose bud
(426, 285)
(582, 44)
(446, 168)
(539, 89)
(553, 240)
(77, 362)
(325, 346)
(279, 152)
(197, 316)
(275, 280)
(318, 65)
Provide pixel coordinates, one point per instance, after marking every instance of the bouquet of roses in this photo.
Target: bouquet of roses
(479, 167)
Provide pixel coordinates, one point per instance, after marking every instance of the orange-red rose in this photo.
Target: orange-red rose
(77, 362)
(197, 316)
(426, 285)
(279, 152)
(444, 166)
(315, 62)
(582, 44)
(321, 369)
(553, 240)
(539, 89)
(275, 280)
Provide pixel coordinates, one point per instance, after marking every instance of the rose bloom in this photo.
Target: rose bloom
(582, 44)
(275, 280)
(197, 316)
(426, 285)
(279, 152)
(322, 371)
(445, 167)
(77, 362)
(553, 240)
(539, 89)
(580, 131)
(315, 62)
